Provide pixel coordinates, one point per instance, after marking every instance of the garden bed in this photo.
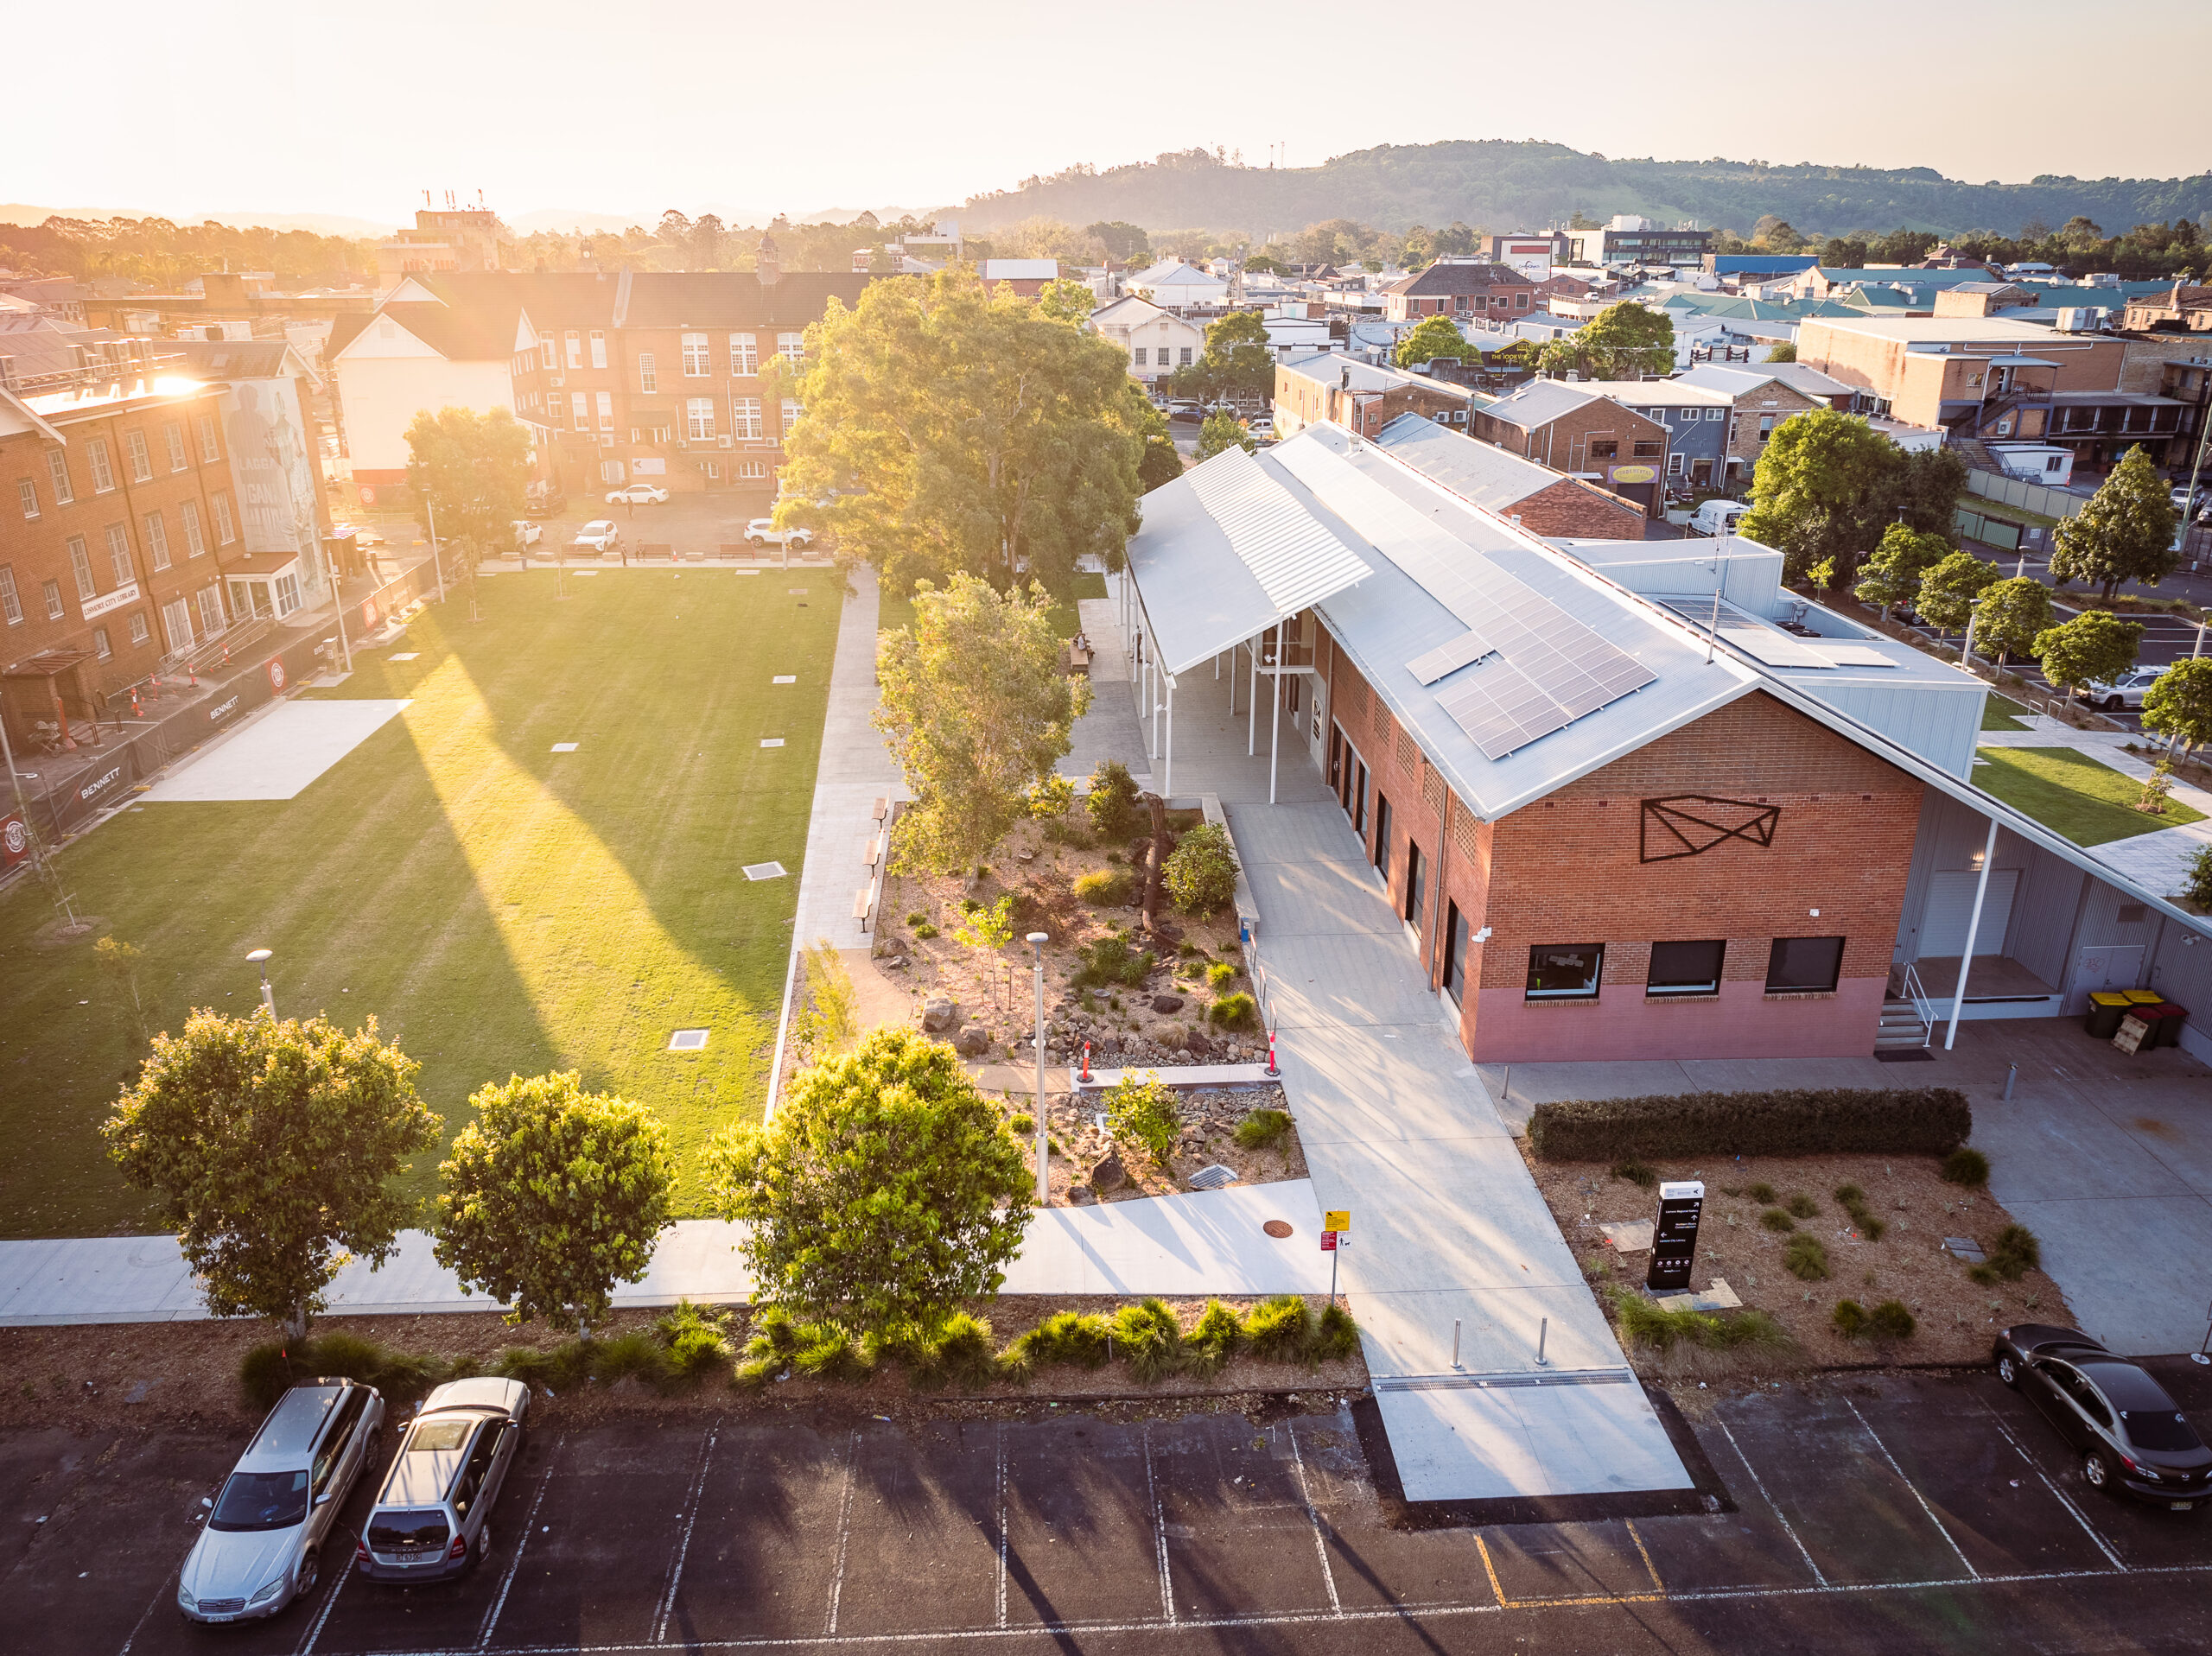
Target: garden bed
(1955, 1316)
(1207, 1137)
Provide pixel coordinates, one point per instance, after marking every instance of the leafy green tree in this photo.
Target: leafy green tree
(2125, 533)
(1235, 363)
(1140, 1111)
(1921, 489)
(1891, 572)
(1812, 489)
(1223, 430)
(1200, 874)
(1784, 351)
(989, 927)
(978, 713)
(270, 1148)
(1950, 588)
(884, 1190)
(2179, 702)
(1064, 301)
(829, 1023)
(1119, 241)
(2095, 647)
(1622, 341)
(950, 430)
(1159, 461)
(552, 1196)
(119, 964)
(1431, 337)
(2013, 613)
(468, 472)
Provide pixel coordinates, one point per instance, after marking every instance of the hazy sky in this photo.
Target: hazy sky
(629, 108)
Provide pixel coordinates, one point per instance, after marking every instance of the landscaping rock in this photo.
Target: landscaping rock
(1108, 1173)
(939, 1015)
(973, 1042)
(1168, 1002)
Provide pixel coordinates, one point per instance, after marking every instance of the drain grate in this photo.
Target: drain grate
(1211, 1178)
(1484, 1382)
(785, 678)
(765, 871)
(772, 741)
(688, 1040)
(564, 747)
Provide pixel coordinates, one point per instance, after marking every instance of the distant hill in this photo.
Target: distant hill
(1524, 186)
(321, 224)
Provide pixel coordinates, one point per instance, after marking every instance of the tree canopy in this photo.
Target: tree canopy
(2125, 533)
(270, 1148)
(1223, 430)
(1624, 341)
(1950, 588)
(978, 714)
(1431, 337)
(884, 1190)
(1828, 487)
(2095, 647)
(1236, 361)
(2179, 702)
(2013, 613)
(1891, 573)
(946, 430)
(470, 470)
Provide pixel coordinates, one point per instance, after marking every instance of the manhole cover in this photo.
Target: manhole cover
(1211, 1178)
(688, 1040)
(1276, 1228)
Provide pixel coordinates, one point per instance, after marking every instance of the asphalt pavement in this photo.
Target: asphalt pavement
(1898, 1512)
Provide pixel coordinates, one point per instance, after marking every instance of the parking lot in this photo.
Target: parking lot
(1903, 1512)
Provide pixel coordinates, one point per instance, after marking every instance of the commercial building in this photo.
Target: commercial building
(1628, 240)
(1572, 429)
(1157, 339)
(1629, 799)
(1362, 397)
(1461, 287)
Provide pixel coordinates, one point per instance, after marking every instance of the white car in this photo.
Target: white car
(599, 535)
(638, 494)
(2126, 691)
(762, 531)
(1261, 425)
(527, 534)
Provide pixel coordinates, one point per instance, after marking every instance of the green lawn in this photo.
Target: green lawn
(2089, 802)
(2001, 713)
(498, 906)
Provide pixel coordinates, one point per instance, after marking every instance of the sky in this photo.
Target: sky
(627, 109)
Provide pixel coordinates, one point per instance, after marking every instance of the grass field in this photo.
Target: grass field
(2089, 803)
(2001, 713)
(498, 906)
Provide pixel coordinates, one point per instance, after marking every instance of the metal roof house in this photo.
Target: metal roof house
(1631, 800)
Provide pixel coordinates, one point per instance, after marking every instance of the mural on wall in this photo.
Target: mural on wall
(274, 467)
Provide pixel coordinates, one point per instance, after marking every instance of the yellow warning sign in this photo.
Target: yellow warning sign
(1336, 1219)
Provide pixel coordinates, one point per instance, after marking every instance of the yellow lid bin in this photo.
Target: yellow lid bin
(2144, 997)
(2107, 998)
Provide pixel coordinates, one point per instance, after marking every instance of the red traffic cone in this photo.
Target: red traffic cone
(226, 654)
(136, 711)
(1086, 1063)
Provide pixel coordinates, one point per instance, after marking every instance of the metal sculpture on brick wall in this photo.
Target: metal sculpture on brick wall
(1688, 825)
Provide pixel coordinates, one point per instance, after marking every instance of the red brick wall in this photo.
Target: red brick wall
(1570, 506)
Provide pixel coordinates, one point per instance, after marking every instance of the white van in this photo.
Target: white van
(1717, 517)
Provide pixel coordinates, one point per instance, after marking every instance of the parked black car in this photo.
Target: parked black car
(2132, 1438)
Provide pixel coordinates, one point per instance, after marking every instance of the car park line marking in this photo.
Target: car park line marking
(1001, 1447)
(1490, 1570)
(844, 1535)
(329, 1604)
(2064, 1500)
(1908, 1484)
(1651, 1568)
(1320, 1542)
(529, 1525)
(166, 1589)
(1159, 1533)
(1759, 1484)
(684, 1547)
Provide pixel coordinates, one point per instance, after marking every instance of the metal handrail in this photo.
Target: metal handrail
(1923, 1005)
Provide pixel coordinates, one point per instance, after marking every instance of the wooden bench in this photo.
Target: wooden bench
(875, 811)
(861, 906)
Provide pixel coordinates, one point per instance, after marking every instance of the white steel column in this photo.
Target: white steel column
(1274, 729)
(1252, 737)
(1233, 648)
(1168, 774)
(1973, 925)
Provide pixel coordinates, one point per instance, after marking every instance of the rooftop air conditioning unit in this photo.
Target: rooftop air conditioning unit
(722, 441)
(556, 381)
(607, 440)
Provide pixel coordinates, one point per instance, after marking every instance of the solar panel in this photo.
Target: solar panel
(1463, 652)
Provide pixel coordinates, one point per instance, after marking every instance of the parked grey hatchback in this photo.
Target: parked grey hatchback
(262, 1545)
(431, 1520)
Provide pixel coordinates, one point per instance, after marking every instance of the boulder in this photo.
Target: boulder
(1108, 1173)
(973, 1042)
(1168, 1002)
(939, 1015)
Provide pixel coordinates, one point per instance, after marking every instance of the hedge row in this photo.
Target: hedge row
(1923, 1120)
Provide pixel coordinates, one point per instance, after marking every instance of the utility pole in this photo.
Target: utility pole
(431, 507)
(1037, 941)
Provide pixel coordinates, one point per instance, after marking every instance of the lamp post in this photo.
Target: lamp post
(1037, 941)
(260, 958)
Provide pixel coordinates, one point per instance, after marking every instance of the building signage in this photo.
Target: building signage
(14, 840)
(93, 789)
(217, 714)
(1674, 1238)
(1635, 473)
(277, 673)
(114, 600)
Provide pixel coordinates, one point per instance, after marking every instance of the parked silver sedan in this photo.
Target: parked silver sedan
(263, 1542)
(432, 1516)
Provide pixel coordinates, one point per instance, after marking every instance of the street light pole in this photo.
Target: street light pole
(1037, 941)
(260, 958)
(431, 507)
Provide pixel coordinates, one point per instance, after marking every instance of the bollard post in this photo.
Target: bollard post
(1274, 1069)
(1543, 1333)
(2012, 1073)
(1455, 1342)
(1086, 1061)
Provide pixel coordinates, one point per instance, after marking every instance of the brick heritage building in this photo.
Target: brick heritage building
(1361, 396)
(1563, 426)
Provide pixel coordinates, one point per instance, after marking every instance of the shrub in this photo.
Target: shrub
(827, 1352)
(1849, 1318)
(635, 1354)
(1635, 1172)
(1060, 831)
(1761, 1192)
(1335, 1334)
(1932, 1120)
(966, 1354)
(1110, 961)
(1280, 1329)
(1238, 1011)
(1050, 798)
(1220, 975)
(1853, 1201)
(1966, 1167)
(1102, 888)
(1200, 874)
(1263, 1129)
(1148, 1339)
(1214, 1341)
(1656, 1326)
(1140, 1110)
(917, 918)
(1021, 1125)
(696, 1341)
(1075, 1338)
(1805, 1259)
(926, 930)
(266, 1372)
(1113, 801)
(1891, 1320)
(1774, 1220)
(2015, 1254)
(1801, 1206)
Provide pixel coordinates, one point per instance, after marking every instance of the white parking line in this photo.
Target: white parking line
(1001, 1510)
(1159, 1533)
(1321, 1543)
(1908, 1484)
(844, 1533)
(1759, 1484)
(2080, 1516)
(528, 1524)
(307, 1646)
(684, 1546)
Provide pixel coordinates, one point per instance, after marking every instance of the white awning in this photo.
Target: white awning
(1226, 551)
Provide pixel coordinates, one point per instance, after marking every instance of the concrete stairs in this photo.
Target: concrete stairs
(1901, 1029)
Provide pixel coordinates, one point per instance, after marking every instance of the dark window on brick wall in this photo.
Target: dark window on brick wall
(1803, 965)
(1684, 968)
(1455, 954)
(1382, 836)
(1565, 971)
(1416, 906)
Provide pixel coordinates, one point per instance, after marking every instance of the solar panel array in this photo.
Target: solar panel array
(1528, 668)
